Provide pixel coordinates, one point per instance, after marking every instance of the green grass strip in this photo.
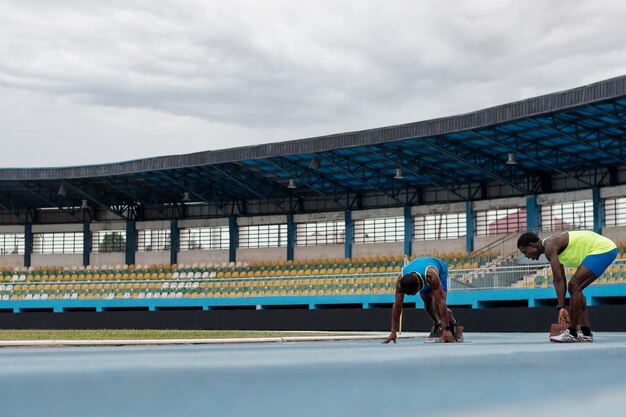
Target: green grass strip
(110, 334)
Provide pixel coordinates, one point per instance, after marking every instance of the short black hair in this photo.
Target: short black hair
(526, 239)
(409, 284)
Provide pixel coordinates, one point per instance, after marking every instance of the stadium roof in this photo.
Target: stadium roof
(568, 140)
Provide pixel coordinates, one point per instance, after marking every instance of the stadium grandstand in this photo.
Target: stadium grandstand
(327, 222)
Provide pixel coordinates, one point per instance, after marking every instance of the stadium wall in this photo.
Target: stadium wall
(196, 256)
(319, 252)
(512, 319)
(152, 257)
(55, 259)
(484, 241)
(499, 203)
(617, 234)
(261, 254)
(445, 246)
(110, 258)
(12, 261)
(377, 249)
(300, 253)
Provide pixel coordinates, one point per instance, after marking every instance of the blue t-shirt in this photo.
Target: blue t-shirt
(420, 265)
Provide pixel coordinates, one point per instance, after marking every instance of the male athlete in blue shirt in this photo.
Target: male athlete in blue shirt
(429, 277)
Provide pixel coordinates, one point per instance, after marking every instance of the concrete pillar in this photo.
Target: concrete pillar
(291, 237)
(233, 230)
(131, 242)
(28, 244)
(533, 214)
(408, 230)
(174, 241)
(349, 232)
(598, 211)
(470, 222)
(86, 243)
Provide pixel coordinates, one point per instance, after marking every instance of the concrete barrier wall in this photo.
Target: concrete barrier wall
(513, 319)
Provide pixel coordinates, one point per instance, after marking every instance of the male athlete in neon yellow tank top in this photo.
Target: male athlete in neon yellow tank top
(588, 252)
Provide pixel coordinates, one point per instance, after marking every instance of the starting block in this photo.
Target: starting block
(459, 334)
(556, 329)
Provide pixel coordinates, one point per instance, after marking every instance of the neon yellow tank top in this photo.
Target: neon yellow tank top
(581, 244)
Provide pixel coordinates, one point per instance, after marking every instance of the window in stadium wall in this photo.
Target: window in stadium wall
(389, 229)
(567, 216)
(615, 212)
(263, 236)
(11, 244)
(48, 243)
(108, 241)
(153, 240)
(322, 233)
(204, 238)
(440, 226)
(500, 221)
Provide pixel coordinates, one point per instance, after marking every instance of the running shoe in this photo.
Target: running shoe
(453, 330)
(436, 331)
(565, 337)
(583, 338)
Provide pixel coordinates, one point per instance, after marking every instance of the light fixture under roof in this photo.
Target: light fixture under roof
(511, 160)
(62, 191)
(398, 175)
(85, 204)
(292, 184)
(315, 164)
(186, 197)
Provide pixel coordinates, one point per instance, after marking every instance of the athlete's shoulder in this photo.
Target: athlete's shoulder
(432, 271)
(559, 240)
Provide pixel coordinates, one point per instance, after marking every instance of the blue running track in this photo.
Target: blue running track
(493, 375)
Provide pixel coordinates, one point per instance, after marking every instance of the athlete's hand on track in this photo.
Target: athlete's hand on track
(446, 337)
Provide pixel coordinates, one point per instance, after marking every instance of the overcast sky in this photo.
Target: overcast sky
(89, 82)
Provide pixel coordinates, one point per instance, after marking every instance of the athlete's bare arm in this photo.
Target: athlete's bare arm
(396, 311)
(439, 298)
(553, 246)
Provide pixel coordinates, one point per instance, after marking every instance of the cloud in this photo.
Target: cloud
(256, 72)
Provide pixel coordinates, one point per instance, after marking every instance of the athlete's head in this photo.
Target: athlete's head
(530, 245)
(410, 283)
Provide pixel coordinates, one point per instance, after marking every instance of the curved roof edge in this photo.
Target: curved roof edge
(596, 92)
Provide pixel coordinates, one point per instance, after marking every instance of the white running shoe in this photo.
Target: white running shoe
(565, 337)
(583, 338)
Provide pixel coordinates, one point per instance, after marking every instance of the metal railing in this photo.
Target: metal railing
(491, 277)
